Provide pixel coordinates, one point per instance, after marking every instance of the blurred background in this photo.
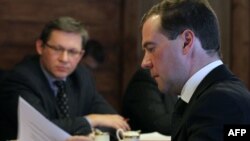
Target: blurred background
(115, 23)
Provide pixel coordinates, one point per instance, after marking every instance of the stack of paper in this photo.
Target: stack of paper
(154, 136)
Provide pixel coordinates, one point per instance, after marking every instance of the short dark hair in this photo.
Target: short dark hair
(196, 15)
(67, 24)
(95, 49)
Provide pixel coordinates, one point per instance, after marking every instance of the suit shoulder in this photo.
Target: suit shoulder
(27, 64)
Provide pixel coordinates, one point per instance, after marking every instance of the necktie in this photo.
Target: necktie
(179, 110)
(62, 100)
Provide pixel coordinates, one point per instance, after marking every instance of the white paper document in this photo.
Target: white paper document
(154, 136)
(33, 126)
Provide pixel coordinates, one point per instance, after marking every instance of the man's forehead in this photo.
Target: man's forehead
(150, 30)
(154, 19)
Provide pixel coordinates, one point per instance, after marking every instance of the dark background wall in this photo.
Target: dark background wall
(115, 23)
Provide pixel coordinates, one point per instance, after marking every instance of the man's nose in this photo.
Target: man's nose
(146, 62)
(64, 56)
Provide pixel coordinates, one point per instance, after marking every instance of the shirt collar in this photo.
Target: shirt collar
(193, 82)
(50, 79)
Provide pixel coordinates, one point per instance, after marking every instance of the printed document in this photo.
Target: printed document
(154, 136)
(33, 126)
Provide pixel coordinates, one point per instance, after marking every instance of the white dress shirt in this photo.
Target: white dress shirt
(193, 82)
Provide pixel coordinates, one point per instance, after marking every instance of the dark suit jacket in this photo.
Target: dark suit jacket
(146, 107)
(28, 81)
(220, 99)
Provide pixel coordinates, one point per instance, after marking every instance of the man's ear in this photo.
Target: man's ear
(188, 36)
(39, 46)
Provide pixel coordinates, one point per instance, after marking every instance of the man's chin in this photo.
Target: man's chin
(161, 88)
(164, 89)
(60, 75)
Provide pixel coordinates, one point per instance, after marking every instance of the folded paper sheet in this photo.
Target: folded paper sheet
(35, 127)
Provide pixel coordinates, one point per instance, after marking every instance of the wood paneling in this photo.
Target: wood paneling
(222, 9)
(240, 55)
(131, 53)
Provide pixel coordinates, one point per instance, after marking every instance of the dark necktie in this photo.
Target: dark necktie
(179, 110)
(62, 100)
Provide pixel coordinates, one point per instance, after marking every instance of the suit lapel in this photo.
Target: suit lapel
(219, 74)
(46, 91)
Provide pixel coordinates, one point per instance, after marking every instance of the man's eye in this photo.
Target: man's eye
(58, 48)
(74, 52)
(150, 49)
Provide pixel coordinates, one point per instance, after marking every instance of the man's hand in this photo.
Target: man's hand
(108, 120)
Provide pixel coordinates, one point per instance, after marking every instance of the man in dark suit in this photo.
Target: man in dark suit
(182, 50)
(75, 105)
(145, 106)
